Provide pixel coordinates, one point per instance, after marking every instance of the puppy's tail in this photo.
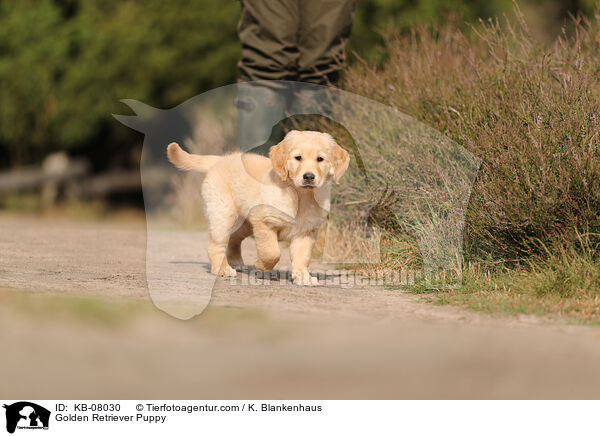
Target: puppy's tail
(185, 161)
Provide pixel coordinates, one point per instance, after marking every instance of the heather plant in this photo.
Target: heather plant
(529, 111)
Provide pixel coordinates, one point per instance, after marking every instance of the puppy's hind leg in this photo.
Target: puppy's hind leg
(222, 216)
(234, 247)
(219, 235)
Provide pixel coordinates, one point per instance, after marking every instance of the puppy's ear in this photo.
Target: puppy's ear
(340, 159)
(278, 155)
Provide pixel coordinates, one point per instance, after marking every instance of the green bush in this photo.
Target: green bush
(65, 64)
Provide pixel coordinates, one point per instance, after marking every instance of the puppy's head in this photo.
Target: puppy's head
(309, 159)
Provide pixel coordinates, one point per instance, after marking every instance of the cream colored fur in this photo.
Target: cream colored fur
(251, 195)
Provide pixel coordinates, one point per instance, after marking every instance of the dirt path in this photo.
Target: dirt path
(253, 341)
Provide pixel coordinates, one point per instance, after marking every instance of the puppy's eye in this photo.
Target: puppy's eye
(298, 158)
(320, 159)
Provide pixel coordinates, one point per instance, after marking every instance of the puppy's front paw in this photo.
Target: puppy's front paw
(303, 278)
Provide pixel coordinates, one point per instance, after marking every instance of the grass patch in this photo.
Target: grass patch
(565, 285)
(93, 310)
(117, 313)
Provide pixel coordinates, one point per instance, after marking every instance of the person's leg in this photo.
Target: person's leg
(268, 32)
(324, 30)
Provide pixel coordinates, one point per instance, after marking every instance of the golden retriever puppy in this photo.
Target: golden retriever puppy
(284, 198)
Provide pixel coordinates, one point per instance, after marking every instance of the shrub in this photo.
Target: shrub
(530, 112)
(64, 66)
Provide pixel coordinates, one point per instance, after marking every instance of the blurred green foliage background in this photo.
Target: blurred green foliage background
(65, 64)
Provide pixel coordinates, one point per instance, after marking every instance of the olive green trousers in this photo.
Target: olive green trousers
(301, 40)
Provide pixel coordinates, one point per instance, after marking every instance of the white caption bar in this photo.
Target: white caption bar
(21, 417)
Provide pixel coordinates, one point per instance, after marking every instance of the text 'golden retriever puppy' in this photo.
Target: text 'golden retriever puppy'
(284, 198)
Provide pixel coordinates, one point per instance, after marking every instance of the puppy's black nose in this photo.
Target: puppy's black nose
(308, 177)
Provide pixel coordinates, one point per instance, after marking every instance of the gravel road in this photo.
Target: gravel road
(253, 341)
